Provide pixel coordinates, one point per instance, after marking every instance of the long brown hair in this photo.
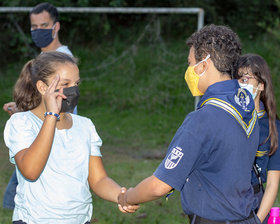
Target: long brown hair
(260, 70)
(26, 95)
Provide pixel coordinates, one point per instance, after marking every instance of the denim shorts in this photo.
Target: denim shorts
(10, 192)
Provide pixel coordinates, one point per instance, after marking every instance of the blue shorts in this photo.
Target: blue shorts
(10, 192)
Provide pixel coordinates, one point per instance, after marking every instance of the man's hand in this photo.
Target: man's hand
(10, 108)
(122, 204)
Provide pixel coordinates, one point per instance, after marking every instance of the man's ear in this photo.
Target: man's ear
(41, 87)
(57, 26)
(203, 66)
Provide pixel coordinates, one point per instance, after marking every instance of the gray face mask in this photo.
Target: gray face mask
(72, 94)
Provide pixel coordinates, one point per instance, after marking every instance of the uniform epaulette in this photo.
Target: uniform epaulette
(261, 113)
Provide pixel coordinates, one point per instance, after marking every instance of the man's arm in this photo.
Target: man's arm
(149, 189)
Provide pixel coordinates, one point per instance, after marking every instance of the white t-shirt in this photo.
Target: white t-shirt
(61, 194)
(64, 49)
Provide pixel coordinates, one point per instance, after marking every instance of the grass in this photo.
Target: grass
(137, 98)
(127, 94)
(127, 171)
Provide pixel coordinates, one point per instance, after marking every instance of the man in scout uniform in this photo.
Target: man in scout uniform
(211, 155)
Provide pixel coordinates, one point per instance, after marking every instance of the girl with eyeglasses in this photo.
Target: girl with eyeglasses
(254, 75)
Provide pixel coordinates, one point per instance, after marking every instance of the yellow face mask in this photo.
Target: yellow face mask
(192, 78)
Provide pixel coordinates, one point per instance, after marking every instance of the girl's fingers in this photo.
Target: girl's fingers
(133, 207)
(59, 103)
(128, 210)
(121, 209)
(61, 95)
(53, 85)
(58, 94)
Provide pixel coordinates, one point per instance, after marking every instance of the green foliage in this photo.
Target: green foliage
(134, 91)
(87, 30)
(148, 82)
(272, 24)
(132, 69)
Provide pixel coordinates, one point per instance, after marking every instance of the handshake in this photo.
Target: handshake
(122, 203)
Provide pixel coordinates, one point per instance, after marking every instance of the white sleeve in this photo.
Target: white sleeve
(18, 135)
(95, 141)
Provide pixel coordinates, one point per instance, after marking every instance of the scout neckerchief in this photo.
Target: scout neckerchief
(228, 96)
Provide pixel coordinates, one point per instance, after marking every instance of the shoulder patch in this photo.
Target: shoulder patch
(173, 158)
(242, 99)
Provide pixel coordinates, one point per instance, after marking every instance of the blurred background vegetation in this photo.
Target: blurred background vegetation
(132, 69)
(248, 18)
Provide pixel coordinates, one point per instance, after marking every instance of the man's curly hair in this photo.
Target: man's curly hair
(221, 43)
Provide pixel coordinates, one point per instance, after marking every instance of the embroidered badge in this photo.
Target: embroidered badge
(242, 99)
(173, 158)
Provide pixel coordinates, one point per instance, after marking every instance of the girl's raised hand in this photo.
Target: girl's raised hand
(53, 98)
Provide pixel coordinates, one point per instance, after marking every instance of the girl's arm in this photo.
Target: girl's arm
(31, 161)
(100, 183)
(271, 190)
(149, 189)
(105, 187)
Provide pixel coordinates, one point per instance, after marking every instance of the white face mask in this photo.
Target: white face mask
(250, 88)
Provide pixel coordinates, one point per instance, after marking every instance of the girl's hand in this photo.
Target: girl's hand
(122, 204)
(52, 98)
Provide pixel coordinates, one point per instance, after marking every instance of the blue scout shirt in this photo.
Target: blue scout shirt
(211, 155)
(263, 160)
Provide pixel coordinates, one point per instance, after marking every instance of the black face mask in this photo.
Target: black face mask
(72, 94)
(42, 37)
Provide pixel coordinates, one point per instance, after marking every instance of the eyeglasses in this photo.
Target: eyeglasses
(244, 79)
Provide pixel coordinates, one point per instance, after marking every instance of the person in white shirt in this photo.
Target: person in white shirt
(45, 26)
(56, 153)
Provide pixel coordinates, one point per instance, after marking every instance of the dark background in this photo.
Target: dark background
(249, 19)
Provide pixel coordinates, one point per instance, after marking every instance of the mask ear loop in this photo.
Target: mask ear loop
(204, 60)
(54, 31)
(256, 88)
(207, 57)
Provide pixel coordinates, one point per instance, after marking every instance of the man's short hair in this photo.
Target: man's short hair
(45, 6)
(221, 43)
